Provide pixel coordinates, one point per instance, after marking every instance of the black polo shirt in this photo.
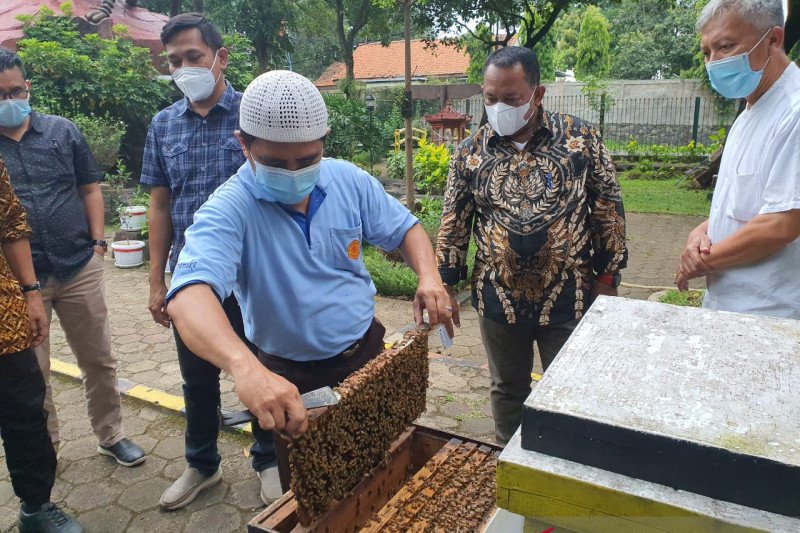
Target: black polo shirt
(46, 167)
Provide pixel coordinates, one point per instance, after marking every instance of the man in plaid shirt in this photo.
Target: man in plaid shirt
(190, 151)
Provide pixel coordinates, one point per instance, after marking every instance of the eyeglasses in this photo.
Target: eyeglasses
(16, 94)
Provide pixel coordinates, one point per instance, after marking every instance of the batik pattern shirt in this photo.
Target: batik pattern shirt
(14, 324)
(546, 219)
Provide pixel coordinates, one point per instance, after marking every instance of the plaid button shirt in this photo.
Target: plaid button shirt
(192, 155)
(545, 219)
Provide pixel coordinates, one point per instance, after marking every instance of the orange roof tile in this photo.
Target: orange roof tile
(375, 61)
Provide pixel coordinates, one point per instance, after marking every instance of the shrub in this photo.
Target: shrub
(73, 74)
(390, 278)
(361, 159)
(396, 165)
(104, 137)
(431, 165)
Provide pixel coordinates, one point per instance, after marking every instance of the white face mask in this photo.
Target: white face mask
(197, 83)
(506, 119)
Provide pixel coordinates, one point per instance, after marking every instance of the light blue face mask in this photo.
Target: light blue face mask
(732, 77)
(287, 186)
(14, 112)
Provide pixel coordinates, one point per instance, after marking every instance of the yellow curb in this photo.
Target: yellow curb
(155, 397)
(535, 377)
(65, 369)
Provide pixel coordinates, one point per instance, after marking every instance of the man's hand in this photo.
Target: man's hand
(598, 288)
(158, 294)
(691, 264)
(453, 305)
(273, 400)
(432, 295)
(37, 318)
(99, 250)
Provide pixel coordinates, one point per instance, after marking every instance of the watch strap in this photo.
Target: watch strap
(32, 287)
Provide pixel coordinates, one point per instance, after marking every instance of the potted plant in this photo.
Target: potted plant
(133, 218)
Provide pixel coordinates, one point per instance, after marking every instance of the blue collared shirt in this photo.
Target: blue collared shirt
(301, 299)
(192, 155)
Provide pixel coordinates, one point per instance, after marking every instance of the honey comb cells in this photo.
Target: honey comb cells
(347, 441)
(453, 492)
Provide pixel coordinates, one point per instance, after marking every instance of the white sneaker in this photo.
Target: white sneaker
(186, 488)
(270, 485)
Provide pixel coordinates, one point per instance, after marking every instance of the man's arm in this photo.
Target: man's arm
(198, 316)
(452, 243)
(762, 237)
(92, 198)
(607, 218)
(14, 233)
(160, 233)
(417, 252)
(18, 256)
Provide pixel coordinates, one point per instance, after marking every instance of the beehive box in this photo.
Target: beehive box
(432, 481)
(703, 401)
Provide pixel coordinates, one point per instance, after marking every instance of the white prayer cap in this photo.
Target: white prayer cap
(283, 106)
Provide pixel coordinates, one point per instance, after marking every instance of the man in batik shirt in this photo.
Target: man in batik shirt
(538, 192)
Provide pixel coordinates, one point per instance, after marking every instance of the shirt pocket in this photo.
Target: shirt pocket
(176, 159)
(346, 246)
(745, 200)
(231, 157)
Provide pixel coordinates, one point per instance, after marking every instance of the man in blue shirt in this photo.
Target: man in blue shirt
(190, 151)
(285, 236)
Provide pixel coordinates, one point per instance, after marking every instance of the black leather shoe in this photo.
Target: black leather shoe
(48, 519)
(125, 452)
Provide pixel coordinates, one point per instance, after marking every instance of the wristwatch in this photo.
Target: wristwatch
(610, 279)
(32, 287)
(99, 242)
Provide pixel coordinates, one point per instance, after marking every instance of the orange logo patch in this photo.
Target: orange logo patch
(354, 249)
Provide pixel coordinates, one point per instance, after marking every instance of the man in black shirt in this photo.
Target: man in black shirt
(56, 179)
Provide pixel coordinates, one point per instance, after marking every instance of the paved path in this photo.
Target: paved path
(109, 498)
(457, 399)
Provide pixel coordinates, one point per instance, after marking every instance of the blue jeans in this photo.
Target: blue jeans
(202, 398)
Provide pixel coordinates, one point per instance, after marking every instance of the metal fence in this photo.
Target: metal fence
(670, 121)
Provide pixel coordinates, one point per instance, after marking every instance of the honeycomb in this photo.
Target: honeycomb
(347, 441)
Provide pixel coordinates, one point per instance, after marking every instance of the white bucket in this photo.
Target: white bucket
(133, 218)
(127, 254)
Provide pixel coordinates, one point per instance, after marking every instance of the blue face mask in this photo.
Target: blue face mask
(287, 186)
(732, 77)
(14, 112)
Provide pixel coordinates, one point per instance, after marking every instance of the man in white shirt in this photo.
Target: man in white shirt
(749, 249)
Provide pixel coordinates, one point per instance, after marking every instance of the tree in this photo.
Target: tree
(265, 22)
(352, 16)
(650, 38)
(508, 17)
(545, 50)
(593, 45)
(566, 30)
(475, 45)
(315, 43)
(792, 40)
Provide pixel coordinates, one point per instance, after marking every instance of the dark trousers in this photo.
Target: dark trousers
(312, 375)
(509, 349)
(30, 456)
(202, 398)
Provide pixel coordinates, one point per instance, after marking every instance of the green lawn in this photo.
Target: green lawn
(663, 196)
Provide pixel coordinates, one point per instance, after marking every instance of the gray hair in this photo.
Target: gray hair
(763, 14)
